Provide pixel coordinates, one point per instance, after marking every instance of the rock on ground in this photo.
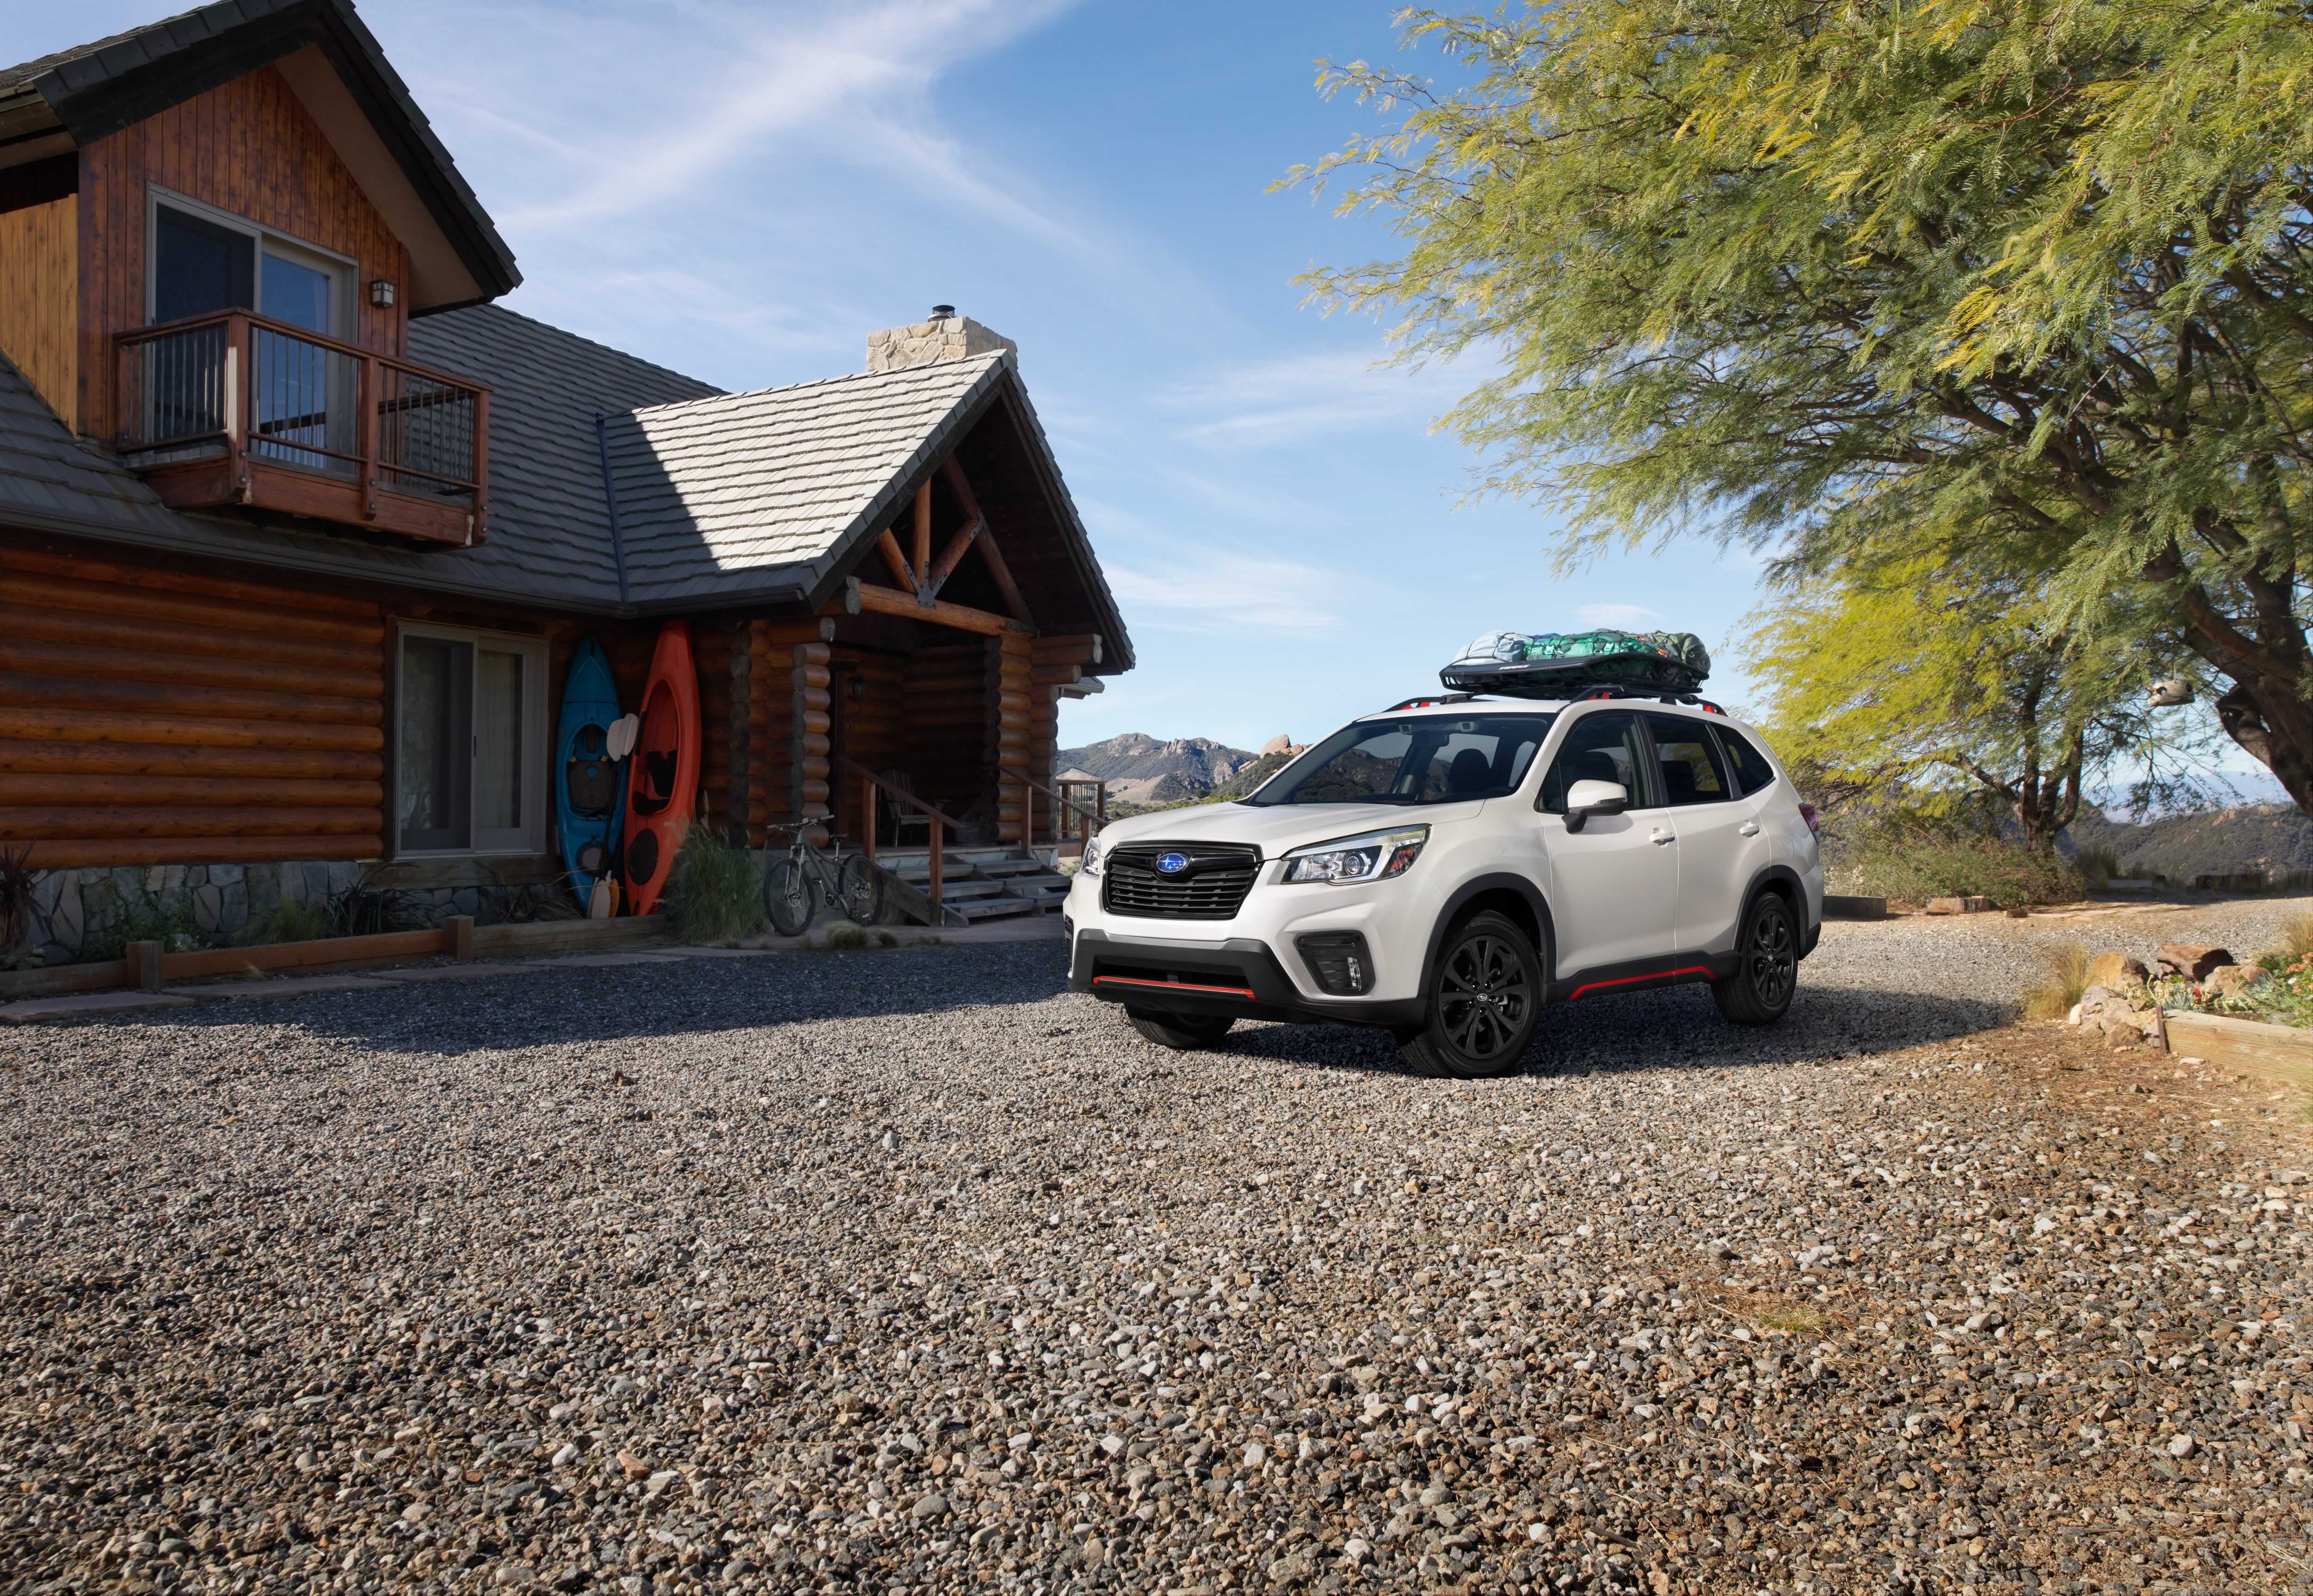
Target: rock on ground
(910, 1272)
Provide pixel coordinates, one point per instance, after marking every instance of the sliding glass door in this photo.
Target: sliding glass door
(470, 744)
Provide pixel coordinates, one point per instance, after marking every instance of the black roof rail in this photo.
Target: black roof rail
(1424, 701)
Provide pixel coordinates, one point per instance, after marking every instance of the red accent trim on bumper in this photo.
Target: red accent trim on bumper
(1245, 992)
(1626, 980)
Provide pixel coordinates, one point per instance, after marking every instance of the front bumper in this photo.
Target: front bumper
(1240, 977)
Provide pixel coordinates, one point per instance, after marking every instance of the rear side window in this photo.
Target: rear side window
(1752, 771)
(1688, 761)
(1600, 747)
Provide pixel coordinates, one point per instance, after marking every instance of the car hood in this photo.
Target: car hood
(1278, 828)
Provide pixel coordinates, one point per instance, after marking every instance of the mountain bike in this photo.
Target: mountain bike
(794, 887)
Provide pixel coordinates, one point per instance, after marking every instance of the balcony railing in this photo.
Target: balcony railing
(235, 409)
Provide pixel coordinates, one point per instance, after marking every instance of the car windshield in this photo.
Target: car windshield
(1423, 759)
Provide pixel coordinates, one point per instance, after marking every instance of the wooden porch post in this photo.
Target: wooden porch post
(1015, 814)
(813, 712)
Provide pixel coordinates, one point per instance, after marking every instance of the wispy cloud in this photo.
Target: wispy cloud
(1213, 590)
(1288, 400)
(1625, 617)
(826, 80)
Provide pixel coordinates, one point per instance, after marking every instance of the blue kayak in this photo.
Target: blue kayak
(588, 785)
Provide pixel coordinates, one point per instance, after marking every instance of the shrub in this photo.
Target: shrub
(2294, 950)
(291, 919)
(166, 918)
(1912, 857)
(17, 945)
(714, 892)
(2097, 865)
(2064, 978)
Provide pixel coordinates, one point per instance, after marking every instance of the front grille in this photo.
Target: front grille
(1210, 886)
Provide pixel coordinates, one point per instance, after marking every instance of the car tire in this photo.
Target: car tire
(1767, 971)
(1485, 997)
(1190, 1033)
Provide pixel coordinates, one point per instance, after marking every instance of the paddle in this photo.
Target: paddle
(619, 741)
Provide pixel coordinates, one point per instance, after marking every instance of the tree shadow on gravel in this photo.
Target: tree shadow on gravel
(1669, 1028)
(689, 997)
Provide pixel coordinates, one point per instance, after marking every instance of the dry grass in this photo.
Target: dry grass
(2297, 938)
(2066, 977)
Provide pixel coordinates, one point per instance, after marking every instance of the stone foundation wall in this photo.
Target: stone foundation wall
(79, 913)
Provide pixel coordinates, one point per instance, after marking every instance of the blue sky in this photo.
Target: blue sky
(743, 190)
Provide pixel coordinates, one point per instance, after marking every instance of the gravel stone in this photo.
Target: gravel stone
(911, 1272)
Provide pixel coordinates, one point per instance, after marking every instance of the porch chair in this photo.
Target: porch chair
(902, 815)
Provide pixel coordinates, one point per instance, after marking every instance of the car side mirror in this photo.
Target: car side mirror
(1585, 799)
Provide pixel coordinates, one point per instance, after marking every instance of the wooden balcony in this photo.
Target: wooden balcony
(237, 410)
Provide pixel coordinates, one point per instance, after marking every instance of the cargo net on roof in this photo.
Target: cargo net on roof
(1558, 664)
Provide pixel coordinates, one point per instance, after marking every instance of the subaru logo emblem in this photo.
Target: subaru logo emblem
(1171, 864)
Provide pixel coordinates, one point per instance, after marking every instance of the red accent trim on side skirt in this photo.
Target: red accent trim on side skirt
(1245, 992)
(1626, 980)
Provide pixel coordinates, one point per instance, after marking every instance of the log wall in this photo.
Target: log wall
(949, 703)
(39, 299)
(808, 678)
(149, 717)
(870, 709)
(711, 650)
(1013, 714)
(771, 732)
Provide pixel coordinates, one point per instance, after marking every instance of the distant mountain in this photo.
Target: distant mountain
(2268, 837)
(1141, 771)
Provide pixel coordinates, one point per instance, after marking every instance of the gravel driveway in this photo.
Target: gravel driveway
(911, 1271)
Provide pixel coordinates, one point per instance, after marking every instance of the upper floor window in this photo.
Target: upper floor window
(204, 260)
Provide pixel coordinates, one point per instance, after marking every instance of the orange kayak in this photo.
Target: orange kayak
(663, 773)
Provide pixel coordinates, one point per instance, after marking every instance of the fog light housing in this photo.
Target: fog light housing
(1338, 962)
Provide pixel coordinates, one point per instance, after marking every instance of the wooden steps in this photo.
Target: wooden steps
(979, 884)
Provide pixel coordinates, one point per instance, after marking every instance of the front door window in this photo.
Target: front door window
(1614, 883)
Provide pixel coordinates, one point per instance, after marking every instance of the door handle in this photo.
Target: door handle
(1662, 839)
(1750, 828)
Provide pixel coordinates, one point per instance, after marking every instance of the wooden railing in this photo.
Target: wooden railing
(870, 784)
(1094, 819)
(236, 408)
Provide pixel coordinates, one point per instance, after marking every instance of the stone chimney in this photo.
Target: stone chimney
(946, 337)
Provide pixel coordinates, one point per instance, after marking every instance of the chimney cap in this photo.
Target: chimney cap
(941, 313)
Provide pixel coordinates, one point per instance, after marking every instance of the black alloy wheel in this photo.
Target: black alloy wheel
(1485, 999)
(1768, 972)
(1190, 1033)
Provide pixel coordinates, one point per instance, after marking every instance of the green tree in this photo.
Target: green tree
(2017, 285)
(1917, 683)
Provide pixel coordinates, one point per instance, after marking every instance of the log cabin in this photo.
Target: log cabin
(299, 530)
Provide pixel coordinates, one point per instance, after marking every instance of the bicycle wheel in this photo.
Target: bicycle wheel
(862, 890)
(787, 897)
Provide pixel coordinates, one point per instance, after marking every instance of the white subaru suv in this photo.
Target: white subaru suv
(1449, 866)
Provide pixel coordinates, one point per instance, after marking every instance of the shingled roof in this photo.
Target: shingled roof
(716, 494)
(549, 521)
(722, 499)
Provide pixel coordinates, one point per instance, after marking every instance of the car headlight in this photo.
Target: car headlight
(1091, 863)
(1377, 856)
